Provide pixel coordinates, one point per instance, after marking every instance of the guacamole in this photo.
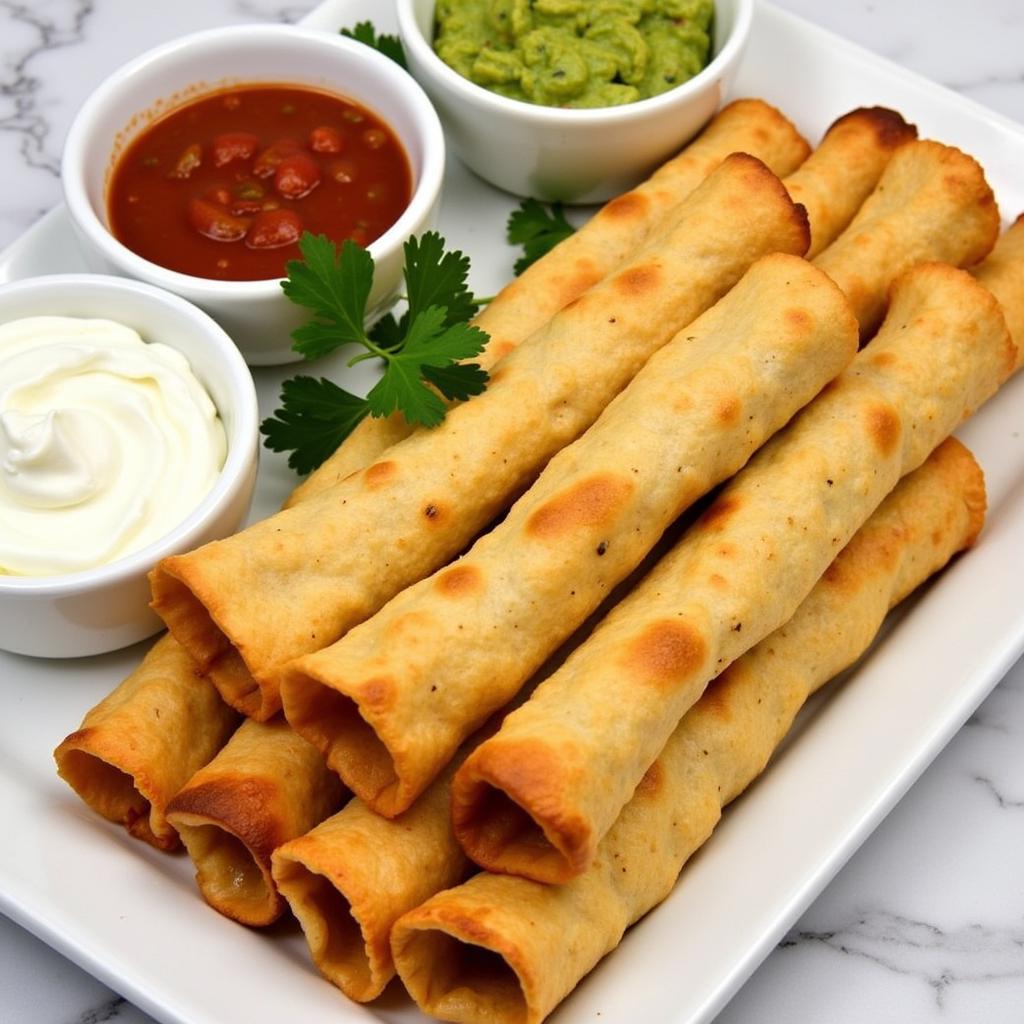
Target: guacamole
(575, 53)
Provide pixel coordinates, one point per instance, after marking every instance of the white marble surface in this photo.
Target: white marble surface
(926, 922)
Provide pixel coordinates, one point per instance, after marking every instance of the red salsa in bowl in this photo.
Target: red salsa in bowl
(223, 186)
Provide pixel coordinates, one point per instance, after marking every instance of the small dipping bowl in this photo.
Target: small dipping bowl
(255, 313)
(107, 607)
(555, 153)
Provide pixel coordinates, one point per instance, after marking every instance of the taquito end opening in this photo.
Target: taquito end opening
(499, 834)
(455, 979)
(230, 877)
(333, 723)
(185, 615)
(113, 794)
(341, 951)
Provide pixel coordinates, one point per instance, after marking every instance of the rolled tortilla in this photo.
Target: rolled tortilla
(536, 798)
(1002, 273)
(267, 785)
(931, 203)
(841, 173)
(595, 250)
(506, 950)
(349, 879)
(388, 716)
(437, 489)
(138, 746)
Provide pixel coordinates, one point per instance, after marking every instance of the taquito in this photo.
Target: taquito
(267, 785)
(595, 250)
(437, 489)
(349, 879)
(536, 798)
(138, 746)
(505, 950)
(1002, 273)
(932, 202)
(841, 173)
(389, 715)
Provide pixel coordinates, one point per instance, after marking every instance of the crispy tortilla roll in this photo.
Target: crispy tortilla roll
(437, 489)
(142, 743)
(356, 873)
(506, 950)
(841, 173)
(388, 716)
(1002, 273)
(268, 785)
(536, 798)
(595, 250)
(931, 203)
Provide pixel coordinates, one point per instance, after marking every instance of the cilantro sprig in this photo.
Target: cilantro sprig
(390, 46)
(422, 350)
(537, 229)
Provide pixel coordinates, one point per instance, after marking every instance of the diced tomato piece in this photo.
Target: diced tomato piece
(191, 157)
(296, 176)
(234, 146)
(267, 162)
(213, 222)
(218, 194)
(273, 229)
(326, 140)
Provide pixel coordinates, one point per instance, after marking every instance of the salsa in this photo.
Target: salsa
(575, 53)
(224, 186)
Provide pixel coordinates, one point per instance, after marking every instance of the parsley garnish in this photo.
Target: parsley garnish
(422, 350)
(390, 46)
(537, 229)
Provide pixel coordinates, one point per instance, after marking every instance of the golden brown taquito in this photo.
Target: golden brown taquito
(505, 950)
(437, 489)
(595, 250)
(267, 785)
(138, 746)
(931, 203)
(389, 715)
(1002, 273)
(536, 798)
(841, 173)
(356, 873)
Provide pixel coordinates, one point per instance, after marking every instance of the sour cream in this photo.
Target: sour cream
(106, 443)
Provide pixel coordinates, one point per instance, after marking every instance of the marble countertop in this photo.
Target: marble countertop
(926, 921)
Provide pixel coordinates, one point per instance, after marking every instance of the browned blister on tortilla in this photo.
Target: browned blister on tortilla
(507, 950)
(142, 742)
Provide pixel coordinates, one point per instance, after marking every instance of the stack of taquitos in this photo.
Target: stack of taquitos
(505, 950)
(437, 489)
(536, 798)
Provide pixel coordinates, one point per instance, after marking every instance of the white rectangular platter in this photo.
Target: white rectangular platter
(132, 917)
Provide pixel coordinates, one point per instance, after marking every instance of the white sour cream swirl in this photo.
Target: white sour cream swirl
(106, 443)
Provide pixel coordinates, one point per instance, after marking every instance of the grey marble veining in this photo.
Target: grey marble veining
(926, 921)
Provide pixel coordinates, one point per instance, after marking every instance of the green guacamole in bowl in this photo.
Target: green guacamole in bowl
(575, 53)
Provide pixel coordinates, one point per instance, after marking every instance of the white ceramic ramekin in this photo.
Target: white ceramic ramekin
(107, 607)
(255, 313)
(576, 156)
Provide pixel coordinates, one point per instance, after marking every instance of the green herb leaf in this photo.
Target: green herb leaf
(316, 416)
(537, 229)
(335, 287)
(390, 46)
(422, 351)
